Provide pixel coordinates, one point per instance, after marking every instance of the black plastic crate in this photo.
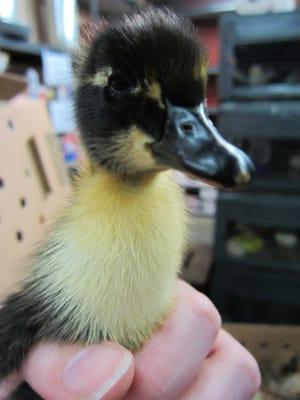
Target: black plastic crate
(255, 294)
(268, 119)
(258, 230)
(260, 57)
(270, 133)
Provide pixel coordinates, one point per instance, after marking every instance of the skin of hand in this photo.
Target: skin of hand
(189, 358)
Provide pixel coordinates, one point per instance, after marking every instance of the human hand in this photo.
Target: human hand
(189, 358)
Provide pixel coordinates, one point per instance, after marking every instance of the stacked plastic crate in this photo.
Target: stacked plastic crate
(257, 269)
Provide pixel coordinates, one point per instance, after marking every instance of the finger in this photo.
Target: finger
(170, 361)
(68, 372)
(9, 384)
(230, 372)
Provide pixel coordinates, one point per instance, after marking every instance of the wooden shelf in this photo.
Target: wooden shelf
(16, 31)
(11, 85)
(31, 51)
(20, 46)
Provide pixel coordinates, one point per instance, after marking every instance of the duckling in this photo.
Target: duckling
(108, 268)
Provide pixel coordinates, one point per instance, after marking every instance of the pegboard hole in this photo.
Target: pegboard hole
(10, 124)
(1, 183)
(23, 202)
(19, 236)
(41, 219)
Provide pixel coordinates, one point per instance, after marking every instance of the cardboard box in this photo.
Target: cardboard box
(11, 85)
(275, 343)
(277, 350)
(32, 186)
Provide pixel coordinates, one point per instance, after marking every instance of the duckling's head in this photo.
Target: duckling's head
(140, 101)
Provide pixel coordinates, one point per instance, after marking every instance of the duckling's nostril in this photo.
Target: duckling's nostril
(187, 128)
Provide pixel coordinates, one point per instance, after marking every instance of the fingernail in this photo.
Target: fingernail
(118, 373)
(94, 371)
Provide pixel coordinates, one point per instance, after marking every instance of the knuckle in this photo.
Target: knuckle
(206, 313)
(253, 371)
(249, 366)
(159, 392)
(154, 389)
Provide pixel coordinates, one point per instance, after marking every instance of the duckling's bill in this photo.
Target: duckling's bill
(191, 143)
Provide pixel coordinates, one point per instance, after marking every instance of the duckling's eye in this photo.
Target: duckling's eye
(119, 84)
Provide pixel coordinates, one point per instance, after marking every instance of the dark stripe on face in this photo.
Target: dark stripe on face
(151, 117)
(97, 116)
(100, 117)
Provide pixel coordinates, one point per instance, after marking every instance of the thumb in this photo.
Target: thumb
(67, 372)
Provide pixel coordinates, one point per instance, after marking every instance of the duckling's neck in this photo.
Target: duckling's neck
(120, 245)
(137, 180)
(98, 191)
(102, 177)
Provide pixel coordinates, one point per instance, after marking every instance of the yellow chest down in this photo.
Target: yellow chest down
(120, 249)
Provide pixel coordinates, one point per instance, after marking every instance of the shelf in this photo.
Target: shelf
(265, 28)
(213, 71)
(207, 13)
(244, 120)
(213, 110)
(257, 261)
(282, 91)
(266, 210)
(282, 183)
(14, 30)
(256, 282)
(20, 46)
(32, 51)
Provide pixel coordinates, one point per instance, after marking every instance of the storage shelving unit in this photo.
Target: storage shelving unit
(259, 90)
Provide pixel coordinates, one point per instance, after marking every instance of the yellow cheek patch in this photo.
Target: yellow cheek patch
(154, 92)
(141, 154)
(132, 151)
(101, 77)
(200, 71)
(135, 152)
